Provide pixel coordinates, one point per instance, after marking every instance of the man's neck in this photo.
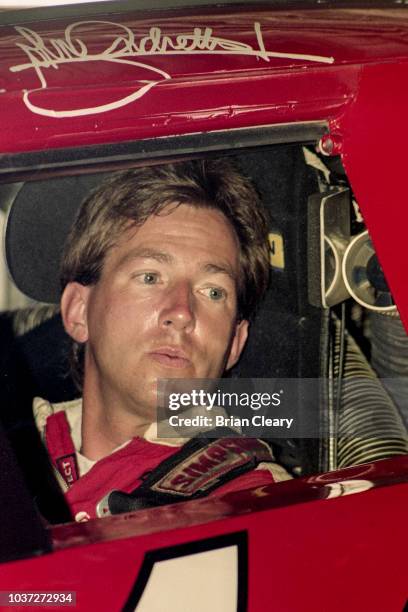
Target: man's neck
(104, 426)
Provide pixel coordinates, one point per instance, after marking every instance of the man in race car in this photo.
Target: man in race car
(161, 273)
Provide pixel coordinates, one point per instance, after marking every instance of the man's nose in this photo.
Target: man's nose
(178, 310)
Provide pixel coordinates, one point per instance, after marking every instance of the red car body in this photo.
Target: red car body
(78, 85)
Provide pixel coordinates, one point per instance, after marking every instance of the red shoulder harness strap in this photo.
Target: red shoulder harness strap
(199, 467)
(61, 448)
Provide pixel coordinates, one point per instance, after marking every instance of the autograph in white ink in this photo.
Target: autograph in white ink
(125, 49)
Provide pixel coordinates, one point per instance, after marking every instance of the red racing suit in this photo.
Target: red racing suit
(85, 483)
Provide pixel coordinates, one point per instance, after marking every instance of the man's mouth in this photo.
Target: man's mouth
(171, 357)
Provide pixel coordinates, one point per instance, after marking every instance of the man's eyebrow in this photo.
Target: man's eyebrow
(213, 268)
(146, 253)
(163, 257)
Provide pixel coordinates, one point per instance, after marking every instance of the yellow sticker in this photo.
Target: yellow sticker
(277, 257)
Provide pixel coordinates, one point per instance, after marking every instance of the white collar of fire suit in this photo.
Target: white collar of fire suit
(42, 409)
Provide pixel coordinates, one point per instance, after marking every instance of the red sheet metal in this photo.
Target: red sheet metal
(374, 133)
(119, 77)
(332, 548)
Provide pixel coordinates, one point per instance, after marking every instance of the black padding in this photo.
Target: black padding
(45, 350)
(22, 533)
(38, 223)
(34, 364)
(286, 335)
(284, 340)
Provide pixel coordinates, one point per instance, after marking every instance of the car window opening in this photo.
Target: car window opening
(321, 318)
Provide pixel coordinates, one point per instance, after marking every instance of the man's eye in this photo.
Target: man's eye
(215, 293)
(149, 278)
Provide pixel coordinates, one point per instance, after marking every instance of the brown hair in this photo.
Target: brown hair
(132, 196)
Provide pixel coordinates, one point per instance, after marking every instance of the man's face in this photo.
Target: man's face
(164, 307)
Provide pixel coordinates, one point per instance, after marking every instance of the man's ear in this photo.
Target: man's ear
(74, 302)
(238, 343)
